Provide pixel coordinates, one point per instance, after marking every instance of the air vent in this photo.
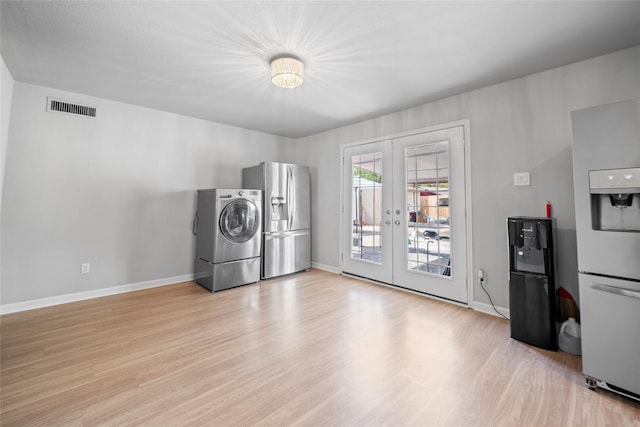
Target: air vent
(58, 106)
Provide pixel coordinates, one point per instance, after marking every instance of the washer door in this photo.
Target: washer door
(239, 221)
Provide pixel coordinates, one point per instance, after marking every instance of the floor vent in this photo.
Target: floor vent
(69, 108)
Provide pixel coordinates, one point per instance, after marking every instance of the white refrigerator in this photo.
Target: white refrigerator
(606, 167)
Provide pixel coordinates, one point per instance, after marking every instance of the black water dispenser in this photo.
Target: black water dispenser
(532, 281)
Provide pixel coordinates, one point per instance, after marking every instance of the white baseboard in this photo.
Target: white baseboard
(488, 309)
(325, 267)
(79, 296)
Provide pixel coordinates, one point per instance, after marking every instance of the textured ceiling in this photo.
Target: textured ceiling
(363, 59)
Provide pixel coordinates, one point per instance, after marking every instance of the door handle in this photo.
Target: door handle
(290, 199)
(396, 222)
(194, 228)
(615, 290)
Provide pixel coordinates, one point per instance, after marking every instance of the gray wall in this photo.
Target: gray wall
(117, 191)
(521, 125)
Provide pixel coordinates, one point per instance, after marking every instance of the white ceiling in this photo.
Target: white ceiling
(363, 59)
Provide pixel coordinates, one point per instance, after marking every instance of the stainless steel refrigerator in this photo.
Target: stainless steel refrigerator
(286, 207)
(606, 167)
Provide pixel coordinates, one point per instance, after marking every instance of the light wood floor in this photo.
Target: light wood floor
(312, 349)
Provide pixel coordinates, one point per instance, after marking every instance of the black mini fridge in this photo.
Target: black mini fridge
(532, 281)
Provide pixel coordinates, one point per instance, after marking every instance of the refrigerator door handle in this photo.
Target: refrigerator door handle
(290, 198)
(615, 290)
(194, 227)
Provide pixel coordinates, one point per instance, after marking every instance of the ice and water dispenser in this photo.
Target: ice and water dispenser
(615, 199)
(532, 281)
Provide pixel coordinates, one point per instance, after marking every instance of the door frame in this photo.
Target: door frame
(465, 124)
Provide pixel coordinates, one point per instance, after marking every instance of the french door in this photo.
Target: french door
(366, 211)
(404, 212)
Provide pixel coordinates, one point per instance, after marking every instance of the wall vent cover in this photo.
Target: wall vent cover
(55, 105)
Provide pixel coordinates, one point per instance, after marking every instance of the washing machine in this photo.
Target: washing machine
(228, 233)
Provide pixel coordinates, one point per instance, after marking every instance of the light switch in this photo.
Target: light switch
(521, 178)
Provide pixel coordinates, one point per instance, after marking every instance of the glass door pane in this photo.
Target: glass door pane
(366, 207)
(427, 200)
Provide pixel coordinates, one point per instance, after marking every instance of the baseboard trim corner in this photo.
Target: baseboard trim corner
(325, 267)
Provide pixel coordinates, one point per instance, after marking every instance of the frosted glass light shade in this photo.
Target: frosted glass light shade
(287, 72)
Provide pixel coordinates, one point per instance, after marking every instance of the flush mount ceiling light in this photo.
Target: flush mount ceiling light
(287, 71)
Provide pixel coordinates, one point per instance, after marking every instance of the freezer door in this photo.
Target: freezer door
(284, 253)
(610, 315)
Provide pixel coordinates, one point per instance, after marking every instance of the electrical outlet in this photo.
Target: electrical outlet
(521, 178)
(85, 268)
(481, 274)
